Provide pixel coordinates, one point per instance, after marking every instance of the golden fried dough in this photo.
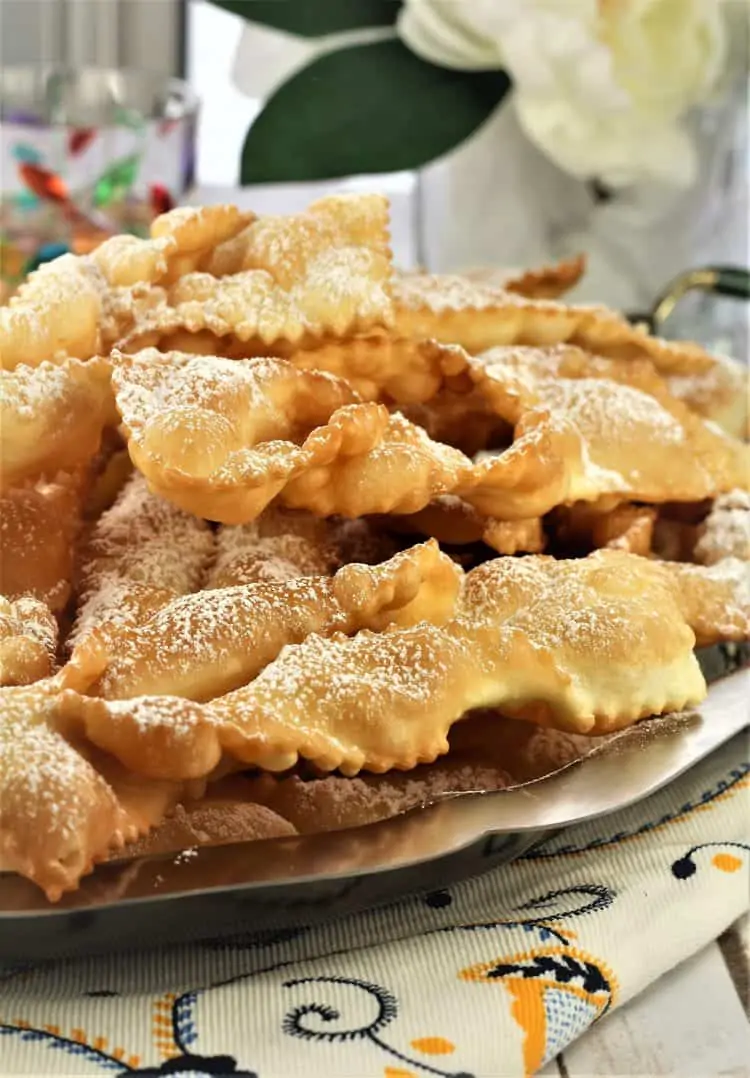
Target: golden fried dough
(179, 241)
(584, 527)
(479, 315)
(555, 398)
(540, 282)
(212, 442)
(53, 315)
(51, 417)
(28, 641)
(402, 471)
(283, 544)
(142, 553)
(62, 805)
(382, 368)
(717, 387)
(57, 814)
(587, 427)
(125, 308)
(260, 428)
(38, 529)
(715, 599)
(462, 419)
(203, 645)
(293, 279)
(725, 533)
(587, 645)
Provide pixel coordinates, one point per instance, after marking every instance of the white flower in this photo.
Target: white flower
(601, 86)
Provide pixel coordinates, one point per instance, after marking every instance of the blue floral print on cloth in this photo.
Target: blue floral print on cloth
(491, 977)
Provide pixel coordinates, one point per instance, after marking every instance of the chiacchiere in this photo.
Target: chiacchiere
(289, 539)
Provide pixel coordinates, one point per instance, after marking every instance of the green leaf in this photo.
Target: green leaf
(364, 109)
(314, 18)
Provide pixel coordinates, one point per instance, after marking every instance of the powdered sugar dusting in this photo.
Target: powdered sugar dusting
(144, 542)
(51, 799)
(283, 544)
(612, 411)
(28, 641)
(54, 313)
(283, 278)
(336, 802)
(25, 390)
(148, 713)
(725, 533)
(203, 645)
(576, 604)
(150, 383)
(345, 701)
(736, 574)
(145, 539)
(453, 292)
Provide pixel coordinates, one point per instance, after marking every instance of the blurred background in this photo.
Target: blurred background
(531, 183)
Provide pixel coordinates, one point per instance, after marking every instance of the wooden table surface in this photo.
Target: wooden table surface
(695, 1021)
(692, 1023)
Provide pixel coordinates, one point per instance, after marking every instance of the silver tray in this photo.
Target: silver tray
(279, 884)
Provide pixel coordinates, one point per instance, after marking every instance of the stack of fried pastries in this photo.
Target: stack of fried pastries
(292, 541)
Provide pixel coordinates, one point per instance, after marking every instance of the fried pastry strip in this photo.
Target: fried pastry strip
(138, 271)
(283, 544)
(57, 814)
(203, 645)
(51, 417)
(453, 521)
(474, 402)
(38, 528)
(725, 533)
(586, 645)
(285, 281)
(142, 553)
(586, 427)
(28, 641)
(715, 599)
(582, 427)
(717, 389)
(180, 241)
(62, 805)
(382, 368)
(54, 314)
(541, 282)
(126, 307)
(322, 271)
(480, 316)
(260, 428)
(401, 472)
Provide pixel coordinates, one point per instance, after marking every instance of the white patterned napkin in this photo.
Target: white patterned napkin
(491, 977)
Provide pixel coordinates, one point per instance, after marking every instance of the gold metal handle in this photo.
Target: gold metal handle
(731, 281)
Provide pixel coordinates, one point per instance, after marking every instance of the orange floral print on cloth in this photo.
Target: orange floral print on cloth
(492, 976)
(557, 992)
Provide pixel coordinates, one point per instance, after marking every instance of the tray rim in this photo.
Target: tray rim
(475, 817)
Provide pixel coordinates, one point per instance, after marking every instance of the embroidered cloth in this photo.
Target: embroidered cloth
(490, 977)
